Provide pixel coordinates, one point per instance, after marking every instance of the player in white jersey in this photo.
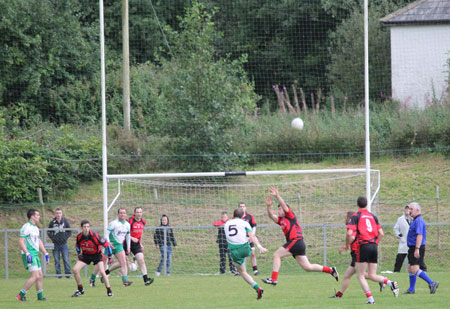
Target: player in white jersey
(119, 231)
(236, 231)
(30, 243)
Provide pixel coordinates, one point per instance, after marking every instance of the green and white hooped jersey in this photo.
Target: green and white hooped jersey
(236, 232)
(30, 232)
(118, 230)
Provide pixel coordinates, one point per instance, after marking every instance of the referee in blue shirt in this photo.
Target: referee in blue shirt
(416, 240)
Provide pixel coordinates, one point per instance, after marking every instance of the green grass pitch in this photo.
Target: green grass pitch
(304, 290)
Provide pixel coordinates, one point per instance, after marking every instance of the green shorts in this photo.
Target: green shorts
(35, 265)
(117, 248)
(238, 253)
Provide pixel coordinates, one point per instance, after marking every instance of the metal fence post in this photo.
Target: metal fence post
(437, 219)
(6, 256)
(324, 244)
(165, 251)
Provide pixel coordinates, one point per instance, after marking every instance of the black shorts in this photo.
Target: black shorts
(367, 253)
(411, 258)
(135, 247)
(91, 258)
(295, 246)
(353, 254)
(252, 245)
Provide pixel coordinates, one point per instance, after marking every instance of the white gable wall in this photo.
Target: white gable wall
(419, 55)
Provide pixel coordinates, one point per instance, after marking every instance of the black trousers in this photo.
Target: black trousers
(399, 262)
(224, 252)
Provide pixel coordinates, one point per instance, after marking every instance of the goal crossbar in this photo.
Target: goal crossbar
(249, 173)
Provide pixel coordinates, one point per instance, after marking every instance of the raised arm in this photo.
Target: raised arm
(270, 213)
(274, 192)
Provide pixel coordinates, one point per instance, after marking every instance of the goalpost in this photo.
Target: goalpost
(193, 201)
(369, 191)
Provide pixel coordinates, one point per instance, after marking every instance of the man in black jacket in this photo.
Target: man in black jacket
(59, 236)
(164, 239)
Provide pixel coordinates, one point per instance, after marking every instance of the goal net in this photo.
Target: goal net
(319, 198)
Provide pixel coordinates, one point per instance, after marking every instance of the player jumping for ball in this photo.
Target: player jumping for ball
(294, 245)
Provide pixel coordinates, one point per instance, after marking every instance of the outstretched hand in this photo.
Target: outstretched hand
(344, 247)
(269, 201)
(273, 191)
(263, 250)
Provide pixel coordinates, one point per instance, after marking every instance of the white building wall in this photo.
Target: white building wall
(419, 55)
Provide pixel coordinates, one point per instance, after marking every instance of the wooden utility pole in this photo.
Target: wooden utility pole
(126, 68)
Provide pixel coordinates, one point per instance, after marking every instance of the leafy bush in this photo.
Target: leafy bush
(54, 159)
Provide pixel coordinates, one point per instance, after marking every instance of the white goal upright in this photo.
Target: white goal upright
(193, 201)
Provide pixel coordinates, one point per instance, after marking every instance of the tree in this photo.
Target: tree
(346, 69)
(45, 52)
(203, 98)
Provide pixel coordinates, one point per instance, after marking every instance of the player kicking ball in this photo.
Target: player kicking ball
(89, 246)
(294, 245)
(236, 231)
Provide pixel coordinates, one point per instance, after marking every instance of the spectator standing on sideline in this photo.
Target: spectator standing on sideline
(223, 245)
(401, 229)
(59, 237)
(416, 240)
(30, 243)
(164, 244)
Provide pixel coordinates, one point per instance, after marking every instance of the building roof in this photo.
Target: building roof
(421, 12)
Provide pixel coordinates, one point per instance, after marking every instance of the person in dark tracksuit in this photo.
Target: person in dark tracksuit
(164, 247)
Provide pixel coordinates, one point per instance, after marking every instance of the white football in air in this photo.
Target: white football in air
(297, 124)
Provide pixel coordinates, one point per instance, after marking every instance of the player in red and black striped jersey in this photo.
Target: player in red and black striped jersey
(137, 225)
(366, 230)
(294, 245)
(89, 247)
(251, 220)
(351, 268)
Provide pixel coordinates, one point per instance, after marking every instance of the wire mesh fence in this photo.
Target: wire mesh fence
(197, 252)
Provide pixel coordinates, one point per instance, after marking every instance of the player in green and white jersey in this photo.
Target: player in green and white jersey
(119, 231)
(236, 231)
(30, 243)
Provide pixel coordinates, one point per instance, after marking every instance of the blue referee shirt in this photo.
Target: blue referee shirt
(417, 227)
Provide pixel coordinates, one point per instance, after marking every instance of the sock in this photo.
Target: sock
(93, 277)
(339, 294)
(80, 288)
(255, 267)
(387, 281)
(108, 289)
(412, 282)
(423, 275)
(124, 278)
(327, 270)
(255, 285)
(274, 276)
(107, 271)
(40, 294)
(23, 292)
(369, 296)
(145, 277)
